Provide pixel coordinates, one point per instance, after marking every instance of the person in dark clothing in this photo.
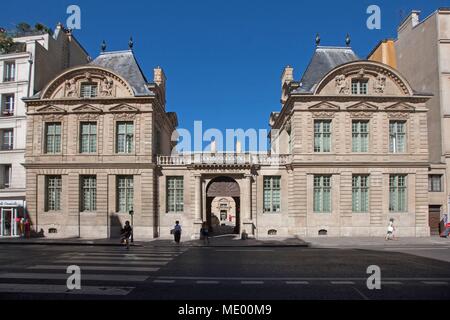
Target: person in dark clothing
(126, 234)
(177, 232)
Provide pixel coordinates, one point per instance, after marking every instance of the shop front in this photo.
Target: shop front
(11, 214)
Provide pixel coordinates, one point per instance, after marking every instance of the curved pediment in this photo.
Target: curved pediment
(123, 108)
(50, 109)
(87, 108)
(69, 84)
(379, 80)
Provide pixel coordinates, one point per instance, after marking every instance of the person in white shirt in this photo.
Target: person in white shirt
(390, 230)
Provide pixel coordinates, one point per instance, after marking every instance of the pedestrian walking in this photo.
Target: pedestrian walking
(204, 232)
(126, 234)
(27, 226)
(390, 230)
(177, 231)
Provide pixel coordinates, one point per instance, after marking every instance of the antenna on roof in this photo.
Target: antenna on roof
(130, 43)
(103, 47)
(317, 39)
(348, 40)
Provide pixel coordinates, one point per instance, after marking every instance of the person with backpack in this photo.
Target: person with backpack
(177, 232)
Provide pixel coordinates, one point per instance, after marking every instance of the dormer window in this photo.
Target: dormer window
(89, 90)
(359, 86)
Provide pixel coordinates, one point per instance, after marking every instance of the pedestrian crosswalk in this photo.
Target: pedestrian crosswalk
(104, 271)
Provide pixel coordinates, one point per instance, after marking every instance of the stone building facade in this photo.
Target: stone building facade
(34, 59)
(421, 53)
(349, 152)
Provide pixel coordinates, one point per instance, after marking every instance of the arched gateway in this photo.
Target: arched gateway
(223, 205)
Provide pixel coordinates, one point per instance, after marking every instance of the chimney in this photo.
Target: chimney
(411, 21)
(159, 77)
(415, 18)
(287, 76)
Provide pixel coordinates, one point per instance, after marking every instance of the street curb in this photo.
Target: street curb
(69, 244)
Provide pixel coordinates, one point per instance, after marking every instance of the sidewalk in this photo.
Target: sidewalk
(235, 241)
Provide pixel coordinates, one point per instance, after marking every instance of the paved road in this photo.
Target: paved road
(39, 272)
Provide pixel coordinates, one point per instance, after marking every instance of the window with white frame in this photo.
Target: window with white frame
(322, 135)
(88, 193)
(53, 193)
(89, 90)
(7, 105)
(175, 194)
(397, 136)
(435, 183)
(397, 193)
(125, 137)
(359, 86)
(88, 139)
(53, 137)
(322, 193)
(125, 193)
(360, 193)
(272, 194)
(9, 71)
(7, 139)
(5, 176)
(360, 136)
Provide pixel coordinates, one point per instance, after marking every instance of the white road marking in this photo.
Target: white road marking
(297, 282)
(436, 283)
(342, 282)
(244, 250)
(88, 277)
(89, 258)
(207, 282)
(391, 282)
(95, 268)
(62, 289)
(252, 282)
(114, 262)
(163, 281)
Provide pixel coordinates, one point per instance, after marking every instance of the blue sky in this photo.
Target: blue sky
(223, 59)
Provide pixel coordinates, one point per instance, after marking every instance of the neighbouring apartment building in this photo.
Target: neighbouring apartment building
(353, 153)
(421, 53)
(32, 61)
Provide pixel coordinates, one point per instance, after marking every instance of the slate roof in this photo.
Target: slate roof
(324, 60)
(125, 65)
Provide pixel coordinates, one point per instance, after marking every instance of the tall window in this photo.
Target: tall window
(322, 136)
(88, 193)
(88, 137)
(360, 193)
(89, 90)
(435, 183)
(52, 137)
(7, 105)
(5, 176)
(53, 193)
(7, 139)
(397, 193)
(272, 194)
(360, 136)
(397, 136)
(125, 193)
(175, 194)
(322, 193)
(9, 73)
(359, 86)
(125, 137)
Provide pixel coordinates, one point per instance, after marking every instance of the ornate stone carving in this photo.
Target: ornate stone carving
(125, 116)
(398, 115)
(323, 114)
(52, 117)
(342, 86)
(88, 116)
(71, 88)
(361, 114)
(380, 84)
(106, 87)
